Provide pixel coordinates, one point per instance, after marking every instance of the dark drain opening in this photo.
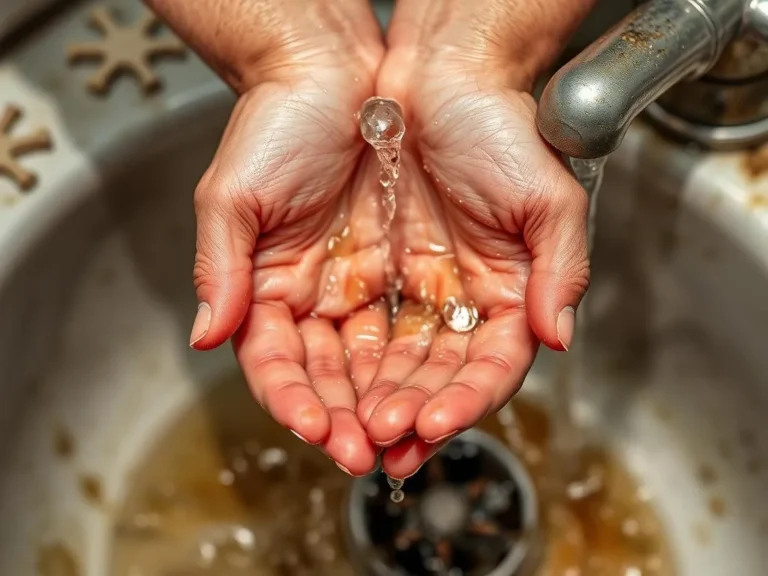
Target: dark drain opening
(470, 511)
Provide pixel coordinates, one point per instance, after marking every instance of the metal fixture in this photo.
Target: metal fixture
(471, 510)
(700, 67)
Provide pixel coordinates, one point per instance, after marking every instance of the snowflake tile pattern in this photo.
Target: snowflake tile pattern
(125, 49)
(12, 147)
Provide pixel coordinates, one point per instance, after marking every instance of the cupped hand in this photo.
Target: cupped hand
(488, 215)
(289, 255)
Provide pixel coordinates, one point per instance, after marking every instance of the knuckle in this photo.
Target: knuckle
(496, 359)
(204, 270)
(382, 386)
(326, 367)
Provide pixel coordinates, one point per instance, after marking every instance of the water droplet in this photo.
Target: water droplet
(395, 483)
(459, 317)
(381, 122)
(397, 496)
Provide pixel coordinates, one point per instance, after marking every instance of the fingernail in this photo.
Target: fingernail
(300, 437)
(345, 470)
(441, 438)
(202, 323)
(566, 321)
(389, 443)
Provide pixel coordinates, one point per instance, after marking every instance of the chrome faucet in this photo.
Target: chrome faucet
(699, 67)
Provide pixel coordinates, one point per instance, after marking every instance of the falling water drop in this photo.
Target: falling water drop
(383, 127)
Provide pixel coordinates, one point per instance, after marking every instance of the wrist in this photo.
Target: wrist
(277, 40)
(504, 41)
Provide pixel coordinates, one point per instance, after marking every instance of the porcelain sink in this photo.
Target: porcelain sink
(96, 303)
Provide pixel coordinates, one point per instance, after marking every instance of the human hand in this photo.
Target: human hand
(288, 240)
(487, 214)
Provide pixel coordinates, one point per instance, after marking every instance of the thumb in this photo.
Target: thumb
(556, 234)
(223, 272)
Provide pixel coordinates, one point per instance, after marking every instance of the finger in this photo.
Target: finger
(412, 335)
(223, 272)
(348, 443)
(365, 334)
(395, 415)
(406, 457)
(271, 353)
(354, 274)
(557, 238)
(498, 358)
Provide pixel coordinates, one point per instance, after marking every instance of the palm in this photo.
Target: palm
(465, 229)
(295, 168)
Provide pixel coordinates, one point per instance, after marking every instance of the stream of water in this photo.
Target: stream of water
(568, 442)
(383, 127)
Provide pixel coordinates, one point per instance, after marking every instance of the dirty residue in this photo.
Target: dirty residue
(641, 38)
(63, 443)
(57, 560)
(756, 162)
(716, 506)
(757, 201)
(613, 530)
(228, 491)
(706, 475)
(91, 489)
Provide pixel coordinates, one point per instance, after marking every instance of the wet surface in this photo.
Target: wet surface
(226, 491)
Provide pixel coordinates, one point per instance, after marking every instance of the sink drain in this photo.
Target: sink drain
(470, 511)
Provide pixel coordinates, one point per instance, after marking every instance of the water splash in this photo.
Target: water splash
(383, 127)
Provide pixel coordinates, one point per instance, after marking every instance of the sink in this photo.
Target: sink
(96, 302)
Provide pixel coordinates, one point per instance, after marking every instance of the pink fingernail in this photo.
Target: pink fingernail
(202, 323)
(300, 437)
(389, 443)
(346, 471)
(566, 321)
(441, 438)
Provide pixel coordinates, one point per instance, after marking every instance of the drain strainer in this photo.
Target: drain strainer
(470, 511)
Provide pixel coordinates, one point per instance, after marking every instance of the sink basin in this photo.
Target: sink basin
(96, 303)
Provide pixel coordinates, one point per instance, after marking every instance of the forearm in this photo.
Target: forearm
(519, 37)
(248, 42)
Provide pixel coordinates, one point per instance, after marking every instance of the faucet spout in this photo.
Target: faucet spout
(588, 105)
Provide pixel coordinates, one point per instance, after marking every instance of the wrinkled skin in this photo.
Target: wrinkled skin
(489, 214)
(292, 172)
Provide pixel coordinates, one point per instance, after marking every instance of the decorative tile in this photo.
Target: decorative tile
(12, 147)
(125, 49)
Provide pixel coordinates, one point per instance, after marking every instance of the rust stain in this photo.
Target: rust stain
(641, 38)
(64, 443)
(757, 201)
(91, 489)
(717, 506)
(57, 560)
(755, 163)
